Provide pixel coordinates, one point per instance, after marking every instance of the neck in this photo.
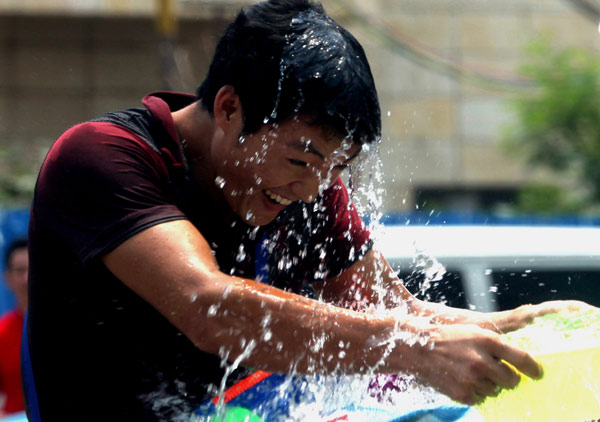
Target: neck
(196, 129)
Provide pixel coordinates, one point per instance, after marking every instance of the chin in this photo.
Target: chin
(258, 221)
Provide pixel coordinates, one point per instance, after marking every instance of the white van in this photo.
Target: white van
(492, 268)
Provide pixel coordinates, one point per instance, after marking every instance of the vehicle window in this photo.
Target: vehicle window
(514, 288)
(447, 290)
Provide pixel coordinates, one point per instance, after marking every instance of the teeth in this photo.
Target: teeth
(277, 198)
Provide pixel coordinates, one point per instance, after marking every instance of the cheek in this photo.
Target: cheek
(23, 287)
(327, 177)
(269, 174)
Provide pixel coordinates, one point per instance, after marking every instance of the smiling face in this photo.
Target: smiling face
(268, 170)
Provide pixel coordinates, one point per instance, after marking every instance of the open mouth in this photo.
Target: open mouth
(276, 198)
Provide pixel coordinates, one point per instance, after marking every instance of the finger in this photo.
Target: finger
(476, 399)
(518, 358)
(502, 375)
(486, 388)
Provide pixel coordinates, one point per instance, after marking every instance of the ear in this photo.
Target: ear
(227, 109)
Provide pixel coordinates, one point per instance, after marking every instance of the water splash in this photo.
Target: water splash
(248, 348)
(431, 270)
(322, 396)
(329, 393)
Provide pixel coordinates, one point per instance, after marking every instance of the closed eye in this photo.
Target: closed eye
(298, 163)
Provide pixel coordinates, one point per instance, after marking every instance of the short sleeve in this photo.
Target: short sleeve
(311, 242)
(347, 238)
(98, 186)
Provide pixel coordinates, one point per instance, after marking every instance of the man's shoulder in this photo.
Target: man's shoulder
(94, 138)
(98, 128)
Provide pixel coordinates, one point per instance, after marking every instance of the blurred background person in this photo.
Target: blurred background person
(11, 325)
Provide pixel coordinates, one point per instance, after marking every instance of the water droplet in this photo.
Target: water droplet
(253, 232)
(212, 310)
(241, 255)
(220, 182)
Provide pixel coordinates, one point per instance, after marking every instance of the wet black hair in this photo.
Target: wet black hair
(18, 243)
(287, 58)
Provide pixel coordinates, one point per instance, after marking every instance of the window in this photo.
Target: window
(518, 287)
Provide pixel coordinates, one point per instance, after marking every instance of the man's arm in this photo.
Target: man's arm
(268, 328)
(370, 285)
(372, 282)
(172, 267)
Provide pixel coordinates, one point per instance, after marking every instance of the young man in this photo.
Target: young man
(11, 325)
(152, 228)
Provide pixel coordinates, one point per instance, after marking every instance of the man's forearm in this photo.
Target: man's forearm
(277, 331)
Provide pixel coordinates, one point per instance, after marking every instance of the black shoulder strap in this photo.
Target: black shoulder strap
(137, 120)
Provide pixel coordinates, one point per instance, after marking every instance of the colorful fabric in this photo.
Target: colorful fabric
(11, 325)
(265, 397)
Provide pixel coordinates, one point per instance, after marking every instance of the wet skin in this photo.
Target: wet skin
(278, 165)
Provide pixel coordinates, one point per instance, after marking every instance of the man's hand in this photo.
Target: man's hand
(465, 362)
(506, 321)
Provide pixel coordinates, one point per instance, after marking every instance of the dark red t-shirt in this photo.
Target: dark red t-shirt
(11, 327)
(96, 347)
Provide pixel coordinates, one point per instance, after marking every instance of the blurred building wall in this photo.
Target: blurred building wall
(64, 61)
(443, 115)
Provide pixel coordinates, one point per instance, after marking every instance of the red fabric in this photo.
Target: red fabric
(242, 386)
(11, 326)
(350, 238)
(111, 172)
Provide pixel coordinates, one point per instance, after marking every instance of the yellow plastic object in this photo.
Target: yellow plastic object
(568, 347)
